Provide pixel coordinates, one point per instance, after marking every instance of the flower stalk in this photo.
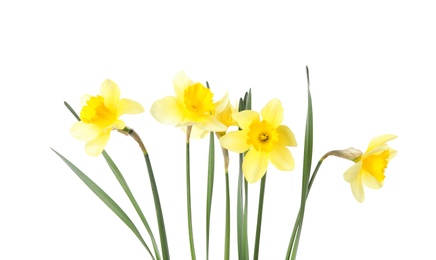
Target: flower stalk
(188, 193)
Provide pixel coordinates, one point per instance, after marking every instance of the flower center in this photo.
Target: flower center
(262, 136)
(198, 100)
(95, 112)
(376, 165)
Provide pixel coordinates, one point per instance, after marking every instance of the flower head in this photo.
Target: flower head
(265, 139)
(100, 114)
(192, 105)
(370, 167)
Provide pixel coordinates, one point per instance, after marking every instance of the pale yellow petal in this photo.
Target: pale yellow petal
(211, 123)
(225, 116)
(167, 111)
(255, 165)
(357, 190)
(353, 172)
(85, 132)
(235, 141)
(273, 113)
(370, 181)
(379, 140)
(110, 91)
(245, 118)
(181, 82)
(128, 106)
(392, 153)
(281, 158)
(222, 103)
(96, 146)
(286, 136)
(196, 132)
(118, 124)
(354, 177)
(84, 99)
(377, 150)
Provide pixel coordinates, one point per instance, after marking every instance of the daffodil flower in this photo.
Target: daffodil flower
(265, 140)
(192, 105)
(370, 167)
(100, 114)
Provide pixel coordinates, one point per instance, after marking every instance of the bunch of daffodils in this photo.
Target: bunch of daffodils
(260, 139)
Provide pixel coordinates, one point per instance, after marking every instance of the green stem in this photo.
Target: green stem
(259, 217)
(245, 229)
(227, 234)
(210, 178)
(297, 221)
(157, 204)
(188, 193)
(240, 212)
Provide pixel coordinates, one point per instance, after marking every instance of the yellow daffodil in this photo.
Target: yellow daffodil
(265, 140)
(100, 114)
(370, 167)
(226, 117)
(192, 105)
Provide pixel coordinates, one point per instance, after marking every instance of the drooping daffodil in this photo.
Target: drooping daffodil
(369, 168)
(193, 105)
(100, 114)
(265, 139)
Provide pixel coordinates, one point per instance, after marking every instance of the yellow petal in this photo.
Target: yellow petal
(281, 158)
(235, 141)
(255, 165)
(245, 118)
(370, 181)
(211, 123)
(110, 91)
(273, 113)
(167, 111)
(379, 140)
(96, 146)
(286, 136)
(127, 106)
(85, 132)
(180, 83)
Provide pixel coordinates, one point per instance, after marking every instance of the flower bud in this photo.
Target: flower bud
(349, 154)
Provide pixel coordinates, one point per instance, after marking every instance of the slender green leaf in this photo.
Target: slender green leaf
(107, 200)
(158, 207)
(307, 163)
(132, 199)
(239, 200)
(72, 111)
(259, 217)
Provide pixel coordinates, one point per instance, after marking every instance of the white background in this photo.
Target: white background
(372, 69)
